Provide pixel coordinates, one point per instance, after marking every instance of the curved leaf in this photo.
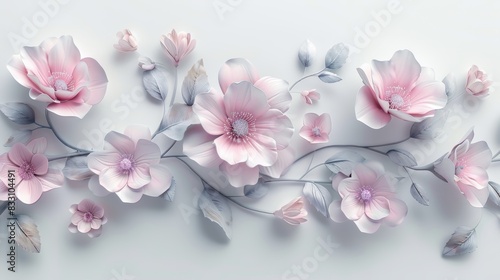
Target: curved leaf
(27, 235)
(336, 57)
(494, 189)
(307, 51)
(419, 195)
(214, 207)
(195, 82)
(402, 157)
(344, 162)
(318, 196)
(77, 169)
(20, 113)
(155, 82)
(176, 121)
(258, 190)
(462, 241)
(170, 193)
(430, 128)
(329, 77)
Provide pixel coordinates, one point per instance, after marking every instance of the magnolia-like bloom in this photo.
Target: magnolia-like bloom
(55, 73)
(88, 218)
(477, 82)
(400, 88)
(465, 167)
(310, 96)
(32, 175)
(368, 199)
(177, 45)
(293, 213)
(126, 41)
(130, 165)
(146, 63)
(316, 128)
(244, 128)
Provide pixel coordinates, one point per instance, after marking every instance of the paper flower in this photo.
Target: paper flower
(400, 88)
(367, 199)
(477, 82)
(293, 213)
(130, 165)
(31, 169)
(316, 128)
(126, 41)
(55, 73)
(146, 63)
(88, 218)
(465, 167)
(310, 96)
(177, 45)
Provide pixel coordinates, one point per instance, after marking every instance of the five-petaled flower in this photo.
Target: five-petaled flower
(31, 167)
(316, 128)
(177, 45)
(310, 96)
(367, 199)
(400, 88)
(55, 73)
(88, 218)
(293, 212)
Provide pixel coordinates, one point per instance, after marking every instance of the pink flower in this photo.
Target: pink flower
(243, 130)
(310, 96)
(126, 41)
(316, 128)
(177, 45)
(146, 63)
(400, 88)
(88, 218)
(32, 174)
(466, 167)
(130, 165)
(293, 213)
(367, 199)
(55, 73)
(477, 82)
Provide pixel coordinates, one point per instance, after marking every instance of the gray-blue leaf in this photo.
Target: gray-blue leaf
(430, 128)
(18, 112)
(155, 82)
(20, 136)
(450, 85)
(27, 235)
(494, 189)
(337, 56)
(170, 193)
(307, 51)
(462, 241)
(402, 157)
(195, 82)
(76, 169)
(318, 196)
(329, 77)
(344, 162)
(214, 207)
(256, 191)
(176, 121)
(419, 194)
(3, 206)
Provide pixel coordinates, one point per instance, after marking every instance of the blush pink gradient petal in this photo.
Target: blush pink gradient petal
(88, 217)
(55, 73)
(316, 128)
(130, 165)
(293, 212)
(126, 41)
(177, 45)
(400, 88)
(367, 199)
(466, 167)
(31, 169)
(310, 96)
(477, 82)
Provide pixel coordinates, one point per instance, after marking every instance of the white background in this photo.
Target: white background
(153, 239)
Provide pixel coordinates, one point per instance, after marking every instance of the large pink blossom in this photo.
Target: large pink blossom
(400, 88)
(244, 128)
(368, 199)
(55, 73)
(130, 165)
(88, 218)
(32, 175)
(465, 167)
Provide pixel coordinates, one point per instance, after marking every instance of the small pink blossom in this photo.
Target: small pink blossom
(477, 82)
(293, 213)
(126, 41)
(31, 171)
(400, 88)
(310, 96)
(88, 218)
(367, 198)
(146, 63)
(55, 73)
(465, 167)
(177, 45)
(316, 128)
(130, 166)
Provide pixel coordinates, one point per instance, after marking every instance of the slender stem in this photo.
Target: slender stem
(41, 125)
(495, 160)
(305, 77)
(77, 154)
(51, 126)
(175, 88)
(246, 207)
(158, 130)
(169, 148)
(311, 169)
(408, 172)
(494, 156)
(174, 156)
(297, 181)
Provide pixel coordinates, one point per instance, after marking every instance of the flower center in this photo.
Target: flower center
(239, 126)
(396, 97)
(459, 166)
(87, 217)
(365, 195)
(126, 165)
(61, 81)
(316, 131)
(26, 171)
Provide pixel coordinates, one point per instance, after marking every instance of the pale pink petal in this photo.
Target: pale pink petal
(446, 169)
(209, 107)
(240, 174)
(426, 97)
(112, 179)
(377, 208)
(120, 142)
(139, 177)
(40, 164)
(398, 213)
(146, 153)
(336, 213)
(72, 228)
(35, 61)
(161, 180)
(70, 109)
(63, 56)
(54, 178)
(95, 223)
(285, 159)
(476, 197)
(369, 111)
(366, 175)
(37, 145)
(96, 188)
(129, 195)
(97, 161)
(349, 186)
(136, 132)
(76, 218)
(98, 81)
(237, 70)
(339, 177)
(19, 72)
(93, 233)
(244, 97)
(366, 225)
(309, 120)
(278, 124)
(406, 69)
(479, 154)
(73, 208)
(231, 151)
(83, 227)
(410, 118)
(324, 123)
(276, 90)
(261, 150)
(85, 205)
(475, 176)
(37, 95)
(19, 154)
(29, 191)
(199, 146)
(352, 207)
